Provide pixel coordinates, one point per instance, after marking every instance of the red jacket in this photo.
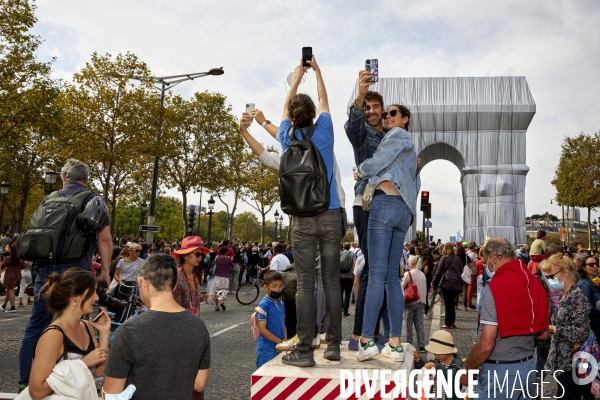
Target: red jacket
(521, 301)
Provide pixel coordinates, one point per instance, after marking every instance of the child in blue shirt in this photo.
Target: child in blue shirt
(271, 325)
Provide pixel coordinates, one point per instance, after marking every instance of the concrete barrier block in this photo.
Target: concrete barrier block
(275, 380)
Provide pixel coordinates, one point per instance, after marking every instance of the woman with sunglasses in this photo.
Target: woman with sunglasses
(392, 171)
(570, 325)
(588, 270)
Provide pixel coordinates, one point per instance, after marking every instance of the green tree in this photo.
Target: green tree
(193, 131)
(108, 121)
(262, 190)
(578, 174)
(26, 87)
(247, 227)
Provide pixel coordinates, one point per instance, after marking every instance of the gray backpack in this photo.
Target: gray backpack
(53, 235)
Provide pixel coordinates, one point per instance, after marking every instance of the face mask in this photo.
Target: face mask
(582, 255)
(555, 284)
(274, 294)
(490, 273)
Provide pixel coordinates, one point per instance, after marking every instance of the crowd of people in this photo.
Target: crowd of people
(309, 285)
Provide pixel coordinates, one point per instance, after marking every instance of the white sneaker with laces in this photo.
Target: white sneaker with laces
(366, 351)
(395, 353)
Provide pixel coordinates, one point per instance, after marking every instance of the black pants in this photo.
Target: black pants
(449, 296)
(572, 391)
(290, 318)
(346, 286)
(361, 222)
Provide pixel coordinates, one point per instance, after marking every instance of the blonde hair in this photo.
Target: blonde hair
(135, 246)
(561, 262)
(448, 249)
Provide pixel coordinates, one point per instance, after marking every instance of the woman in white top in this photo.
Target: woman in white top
(126, 269)
(413, 312)
(279, 262)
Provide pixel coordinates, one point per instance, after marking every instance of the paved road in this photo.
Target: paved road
(232, 346)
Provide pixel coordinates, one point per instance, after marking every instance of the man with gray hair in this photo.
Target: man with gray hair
(75, 176)
(514, 312)
(167, 335)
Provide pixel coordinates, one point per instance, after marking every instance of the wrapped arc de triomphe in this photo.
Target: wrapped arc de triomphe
(478, 124)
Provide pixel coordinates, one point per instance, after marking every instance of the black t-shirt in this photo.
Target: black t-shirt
(160, 353)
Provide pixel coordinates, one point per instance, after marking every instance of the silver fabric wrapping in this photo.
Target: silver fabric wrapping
(479, 125)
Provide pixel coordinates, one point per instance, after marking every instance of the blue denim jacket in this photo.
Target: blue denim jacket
(398, 151)
(591, 290)
(364, 139)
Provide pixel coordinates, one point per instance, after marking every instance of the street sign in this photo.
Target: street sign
(428, 224)
(149, 228)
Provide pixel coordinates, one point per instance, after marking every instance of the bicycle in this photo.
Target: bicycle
(248, 292)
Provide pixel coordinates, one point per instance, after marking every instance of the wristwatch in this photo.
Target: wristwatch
(265, 123)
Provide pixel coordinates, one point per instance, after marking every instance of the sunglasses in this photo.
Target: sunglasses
(276, 288)
(392, 113)
(553, 275)
(592, 264)
(198, 254)
(136, 250)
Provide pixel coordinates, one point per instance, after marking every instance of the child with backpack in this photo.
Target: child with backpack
(270, 314)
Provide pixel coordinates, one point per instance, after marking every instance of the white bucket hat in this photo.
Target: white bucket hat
(441, 342)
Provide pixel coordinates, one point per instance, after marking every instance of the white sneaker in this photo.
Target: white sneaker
(322, 337)
(442, 314)
(288, 344)
(316, 343)
(395, 353)
(366, 351)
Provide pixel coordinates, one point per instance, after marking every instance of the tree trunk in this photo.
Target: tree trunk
(184, 209)
(589, 224)
(22, 205)
(262, 229)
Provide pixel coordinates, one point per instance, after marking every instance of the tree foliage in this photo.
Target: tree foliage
(193, 133)
(110, 123)
(578, 174)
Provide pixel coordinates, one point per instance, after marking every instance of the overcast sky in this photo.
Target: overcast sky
(554, 44)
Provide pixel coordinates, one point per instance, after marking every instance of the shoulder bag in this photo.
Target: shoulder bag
(411, 292)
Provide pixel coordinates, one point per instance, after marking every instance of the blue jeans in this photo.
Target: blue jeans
(497, 373)
(40, 319)
(389, 220)
(264, 355)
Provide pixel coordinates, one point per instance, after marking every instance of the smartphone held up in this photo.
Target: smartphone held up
(372, 66)
(306, 56)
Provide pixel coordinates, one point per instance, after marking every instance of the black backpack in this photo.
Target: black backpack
(303, 180)
(53, 235)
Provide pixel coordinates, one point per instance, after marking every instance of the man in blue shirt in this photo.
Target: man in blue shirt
(75, 176)
(324, 230)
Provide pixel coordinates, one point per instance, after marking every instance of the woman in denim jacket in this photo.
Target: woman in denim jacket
(393, 172)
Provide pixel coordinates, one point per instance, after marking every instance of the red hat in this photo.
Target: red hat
(190, 244)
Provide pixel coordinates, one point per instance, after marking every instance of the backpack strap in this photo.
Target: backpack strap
(78, 198)
(304, 135)
(260, 311)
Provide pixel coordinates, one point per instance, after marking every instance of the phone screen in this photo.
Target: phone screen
(306, 55)
(372, 65)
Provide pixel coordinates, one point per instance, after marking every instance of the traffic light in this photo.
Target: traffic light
(192, 217)
(424, 200)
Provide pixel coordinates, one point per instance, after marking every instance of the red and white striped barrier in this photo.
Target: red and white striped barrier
(276, 381)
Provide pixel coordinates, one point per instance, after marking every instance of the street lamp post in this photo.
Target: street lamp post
(143, 210)
(280, 227)
(276, 222)
(211, 206)
(166, 82)
(50, 180)
(3, 192)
